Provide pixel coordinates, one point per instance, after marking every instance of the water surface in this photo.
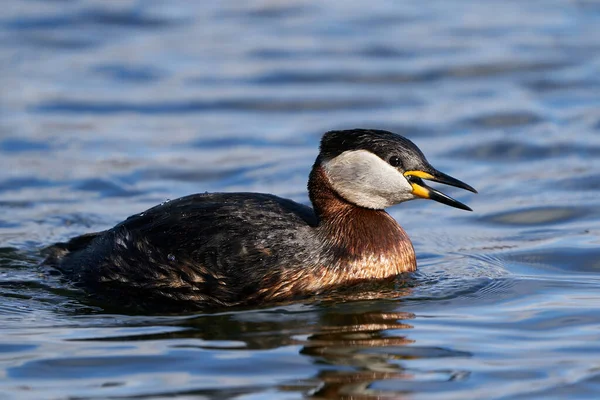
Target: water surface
(108, 108)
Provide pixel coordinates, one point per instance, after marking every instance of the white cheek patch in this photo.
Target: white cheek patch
(364, 179)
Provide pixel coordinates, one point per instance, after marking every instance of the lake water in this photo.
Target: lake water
(110, 107)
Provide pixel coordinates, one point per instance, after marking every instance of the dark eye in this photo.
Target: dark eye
(395, 161)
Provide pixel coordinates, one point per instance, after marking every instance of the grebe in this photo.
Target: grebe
(225, 249)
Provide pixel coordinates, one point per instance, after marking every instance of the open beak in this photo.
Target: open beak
(422, 190)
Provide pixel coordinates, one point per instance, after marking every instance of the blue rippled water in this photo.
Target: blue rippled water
(110, 107)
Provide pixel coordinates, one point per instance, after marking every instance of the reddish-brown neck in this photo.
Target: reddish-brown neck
(367, 239)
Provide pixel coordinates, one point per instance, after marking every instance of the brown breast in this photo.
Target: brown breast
(360, 243)
(357, 245)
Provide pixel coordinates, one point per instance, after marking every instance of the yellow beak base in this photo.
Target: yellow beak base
(420, 191)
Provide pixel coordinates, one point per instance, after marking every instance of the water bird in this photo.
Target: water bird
(229, 249)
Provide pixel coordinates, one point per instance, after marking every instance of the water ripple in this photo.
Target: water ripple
(509, 149)
(100, 16)
(539, 216)
(196, 106)
(505, 120)
(125, 73)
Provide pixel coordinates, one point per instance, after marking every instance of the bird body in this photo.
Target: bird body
(225, 249)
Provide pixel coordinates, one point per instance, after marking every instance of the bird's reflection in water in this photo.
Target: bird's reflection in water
(359, 349)
(359, 344)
